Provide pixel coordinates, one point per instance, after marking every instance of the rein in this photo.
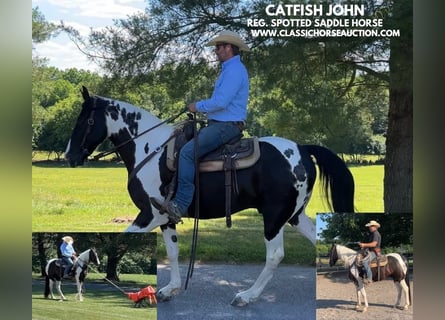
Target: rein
(149, 157)
(106, 153)
(196, 222)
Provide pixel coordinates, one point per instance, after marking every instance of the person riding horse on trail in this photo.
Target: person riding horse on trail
(68, 254)
(226, 111)
(373, 245)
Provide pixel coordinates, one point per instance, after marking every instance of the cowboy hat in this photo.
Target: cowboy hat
(67, 239)
(231, 37)
(373, 223)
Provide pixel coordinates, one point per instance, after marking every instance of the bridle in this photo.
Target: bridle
(85, 263)
(90, 122)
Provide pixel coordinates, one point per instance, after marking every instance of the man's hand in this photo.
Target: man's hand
(362, 245)
(192, 107)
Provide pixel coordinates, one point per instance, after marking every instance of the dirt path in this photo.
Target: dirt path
(336, 299)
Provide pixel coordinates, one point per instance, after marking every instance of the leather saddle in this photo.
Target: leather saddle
(240, 153)
(379, 261)
(61, 263)
(243, 153)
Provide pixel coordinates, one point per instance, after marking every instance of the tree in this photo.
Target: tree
(41, 29)
(312, 80)
(396, 229)
(398, 179)
(115, 246)
(138, 249)
(54, 135)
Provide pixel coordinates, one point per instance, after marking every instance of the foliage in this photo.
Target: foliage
(348, 94)
(41, 29)
(134, 253)
(295, 82)
(396, 229)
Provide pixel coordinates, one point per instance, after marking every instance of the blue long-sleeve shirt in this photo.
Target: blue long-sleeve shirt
(230, 95)
(67, 249)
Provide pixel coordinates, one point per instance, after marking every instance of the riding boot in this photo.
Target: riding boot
(171, 208)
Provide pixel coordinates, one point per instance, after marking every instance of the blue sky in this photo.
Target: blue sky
(320, 225)
(83, 15)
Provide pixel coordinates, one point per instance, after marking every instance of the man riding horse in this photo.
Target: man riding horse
(226, 111)
(68, 255)
(373, 245)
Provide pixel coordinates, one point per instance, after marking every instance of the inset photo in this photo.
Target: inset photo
(364, 264)
(94, 275)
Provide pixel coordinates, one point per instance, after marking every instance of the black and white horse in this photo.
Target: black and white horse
(54, 273)
(279, 184)
(396, 269)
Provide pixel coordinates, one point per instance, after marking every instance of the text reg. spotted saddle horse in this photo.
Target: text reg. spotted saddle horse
(239, 153)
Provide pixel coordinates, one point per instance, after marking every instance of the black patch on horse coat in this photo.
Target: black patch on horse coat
(142, 200)
(131, 119)
(113, 111)
(127, 151)
(146, 148)
(288, 153)
(272, 192)
(300, 171)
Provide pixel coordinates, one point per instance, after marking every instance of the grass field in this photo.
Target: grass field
(101, 300)
(88, 198)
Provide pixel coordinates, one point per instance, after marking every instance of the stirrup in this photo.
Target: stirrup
(163, 208)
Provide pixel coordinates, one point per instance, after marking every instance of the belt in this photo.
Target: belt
(239, 124)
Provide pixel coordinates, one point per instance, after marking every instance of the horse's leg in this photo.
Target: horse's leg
(274, 255)
(306, 227)
(51, 285)
(401, 285)
(79, 286)
(361, 290)
(359, 298)
(171, 243)
(58, 285)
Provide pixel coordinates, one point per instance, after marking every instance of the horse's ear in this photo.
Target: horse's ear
(85, 93)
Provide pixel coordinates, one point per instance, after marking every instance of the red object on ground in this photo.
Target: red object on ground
(147, 293)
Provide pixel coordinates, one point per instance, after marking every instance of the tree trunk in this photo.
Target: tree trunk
(42, 252)
(398, 179)
(113, 260)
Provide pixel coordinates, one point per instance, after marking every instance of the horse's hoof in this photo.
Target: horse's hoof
(364, 310)
(161, 297)
(402, 307)
(239, 302)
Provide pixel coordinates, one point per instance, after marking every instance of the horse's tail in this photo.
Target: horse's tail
(336, 179)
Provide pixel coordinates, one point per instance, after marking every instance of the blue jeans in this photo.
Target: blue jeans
(366, 264)
(69, 263)
(209, 138)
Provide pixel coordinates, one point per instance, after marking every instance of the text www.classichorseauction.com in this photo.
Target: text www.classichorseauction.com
(317, 20)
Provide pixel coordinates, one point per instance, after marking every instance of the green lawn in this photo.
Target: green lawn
(88, 198)
(101, 300)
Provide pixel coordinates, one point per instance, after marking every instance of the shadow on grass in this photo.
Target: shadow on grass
(100, 292)
(87, 164)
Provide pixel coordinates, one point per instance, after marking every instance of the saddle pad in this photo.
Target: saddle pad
(245, 152)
